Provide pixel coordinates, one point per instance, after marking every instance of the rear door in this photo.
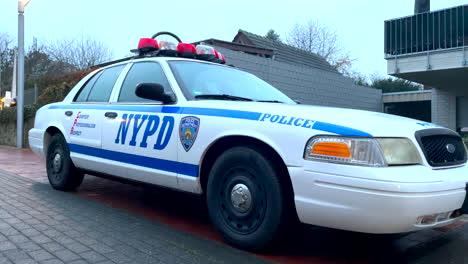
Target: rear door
(141, 140)
(85, 116)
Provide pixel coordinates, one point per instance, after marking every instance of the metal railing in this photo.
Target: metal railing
(427, 32)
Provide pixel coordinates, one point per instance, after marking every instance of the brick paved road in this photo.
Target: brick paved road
(40, 225)
(110, 222)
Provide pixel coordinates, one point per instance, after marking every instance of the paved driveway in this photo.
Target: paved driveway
(110, 222)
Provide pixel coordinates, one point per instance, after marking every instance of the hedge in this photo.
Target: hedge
(58, 86)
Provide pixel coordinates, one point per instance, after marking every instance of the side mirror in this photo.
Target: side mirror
(153, 91)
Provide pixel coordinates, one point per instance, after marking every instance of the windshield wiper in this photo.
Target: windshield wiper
(222, 97)
(270, 101)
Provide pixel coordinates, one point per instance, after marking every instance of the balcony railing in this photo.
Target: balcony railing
(427, 32)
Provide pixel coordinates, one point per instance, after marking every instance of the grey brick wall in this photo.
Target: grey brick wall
(309, 85)
(444, 108)
(462, 111)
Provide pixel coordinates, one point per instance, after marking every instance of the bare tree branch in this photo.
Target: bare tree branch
(5, 48)
(321, 40)
(6, 62)
(82, 52)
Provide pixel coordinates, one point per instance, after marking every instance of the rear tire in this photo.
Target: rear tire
(246, 202)
(62, 173)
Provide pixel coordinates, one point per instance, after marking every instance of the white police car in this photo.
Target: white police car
(260, 158)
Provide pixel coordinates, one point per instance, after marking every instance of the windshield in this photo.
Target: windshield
(204, 81)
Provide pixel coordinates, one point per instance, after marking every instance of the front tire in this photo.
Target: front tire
(245, 200)
(62, 173)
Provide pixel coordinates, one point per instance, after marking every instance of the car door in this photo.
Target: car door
(85, 116)
(141, 139)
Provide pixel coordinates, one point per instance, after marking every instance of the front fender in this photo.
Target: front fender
(247, 133)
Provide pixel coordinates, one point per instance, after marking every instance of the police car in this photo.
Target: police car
(174, 116)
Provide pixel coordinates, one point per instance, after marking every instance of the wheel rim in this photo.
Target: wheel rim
(55, 165)
(242, 200)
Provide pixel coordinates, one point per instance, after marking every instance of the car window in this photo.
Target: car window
(84, 92)
(102, 88)
(199, 79)
(142, 72)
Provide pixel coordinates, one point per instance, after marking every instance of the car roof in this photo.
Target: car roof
(158, 59)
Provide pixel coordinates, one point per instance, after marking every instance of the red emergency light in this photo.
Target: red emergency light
(223, 58)
(147, 45)
(186, 50)
(219, 57)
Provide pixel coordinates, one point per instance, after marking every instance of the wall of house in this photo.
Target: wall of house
(444, 108)
(309, 85)
(462, 112)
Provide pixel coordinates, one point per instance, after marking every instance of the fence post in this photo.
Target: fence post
(35, 93)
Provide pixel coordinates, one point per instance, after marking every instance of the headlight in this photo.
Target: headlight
(374, 152)
(399, 151)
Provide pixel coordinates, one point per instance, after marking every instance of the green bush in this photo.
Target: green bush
(8, 114)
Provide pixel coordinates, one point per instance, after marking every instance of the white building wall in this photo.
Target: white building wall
(444, 108)
(462, 112)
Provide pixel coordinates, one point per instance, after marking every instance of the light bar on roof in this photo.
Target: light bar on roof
(167, 48)
(152, 47)
(205, 52)
(186, 50)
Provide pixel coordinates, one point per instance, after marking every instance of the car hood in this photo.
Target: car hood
(333, 120)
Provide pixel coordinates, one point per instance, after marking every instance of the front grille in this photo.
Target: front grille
(442, 149)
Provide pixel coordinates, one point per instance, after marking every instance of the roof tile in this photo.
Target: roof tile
(289, 54)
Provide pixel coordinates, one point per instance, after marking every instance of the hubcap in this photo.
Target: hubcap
(241, 198)
(57, 162)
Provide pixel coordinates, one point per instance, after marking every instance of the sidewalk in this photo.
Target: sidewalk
(40, 225)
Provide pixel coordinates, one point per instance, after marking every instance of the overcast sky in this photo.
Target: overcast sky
(120, 23)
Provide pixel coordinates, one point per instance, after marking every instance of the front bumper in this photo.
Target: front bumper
(376, 200)
(36, 141)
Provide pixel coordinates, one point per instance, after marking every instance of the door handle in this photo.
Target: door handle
(110, 114)
(68, 113)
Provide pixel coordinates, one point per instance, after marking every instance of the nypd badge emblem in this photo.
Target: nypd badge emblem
(188, 131)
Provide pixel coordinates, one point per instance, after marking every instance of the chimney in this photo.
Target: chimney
(421, 6)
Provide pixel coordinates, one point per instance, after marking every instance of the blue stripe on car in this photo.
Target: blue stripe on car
(144, 161)
(227, 113)
(340, 130)
(221, 113)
